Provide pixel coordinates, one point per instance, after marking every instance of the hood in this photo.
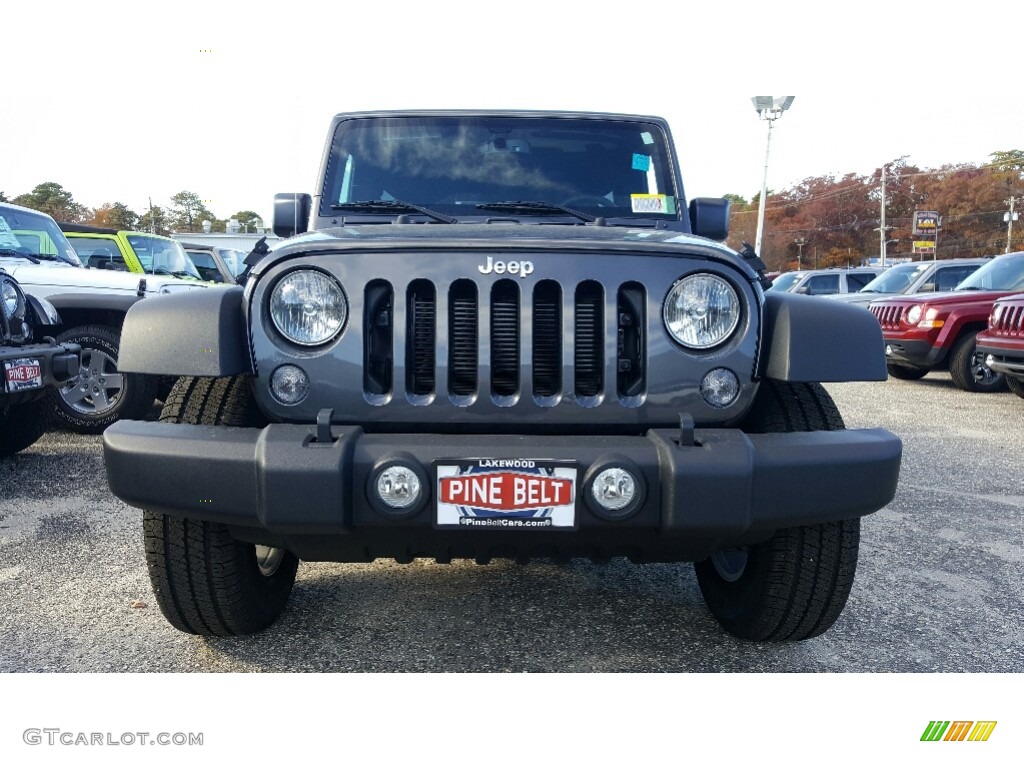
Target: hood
(59, 275)
(949, 298)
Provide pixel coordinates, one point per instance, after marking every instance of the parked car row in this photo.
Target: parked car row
(941, 330)
(120, 269)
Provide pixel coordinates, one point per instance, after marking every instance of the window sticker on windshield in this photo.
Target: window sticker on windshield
(653, 203)
(646, 136)
(641, 162)
(7, 238)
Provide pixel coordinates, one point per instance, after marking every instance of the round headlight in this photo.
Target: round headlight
(701, 311)
(914, 314)
(308, 307)
(9, 296)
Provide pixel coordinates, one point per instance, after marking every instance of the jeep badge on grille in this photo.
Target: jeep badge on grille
(521, 268)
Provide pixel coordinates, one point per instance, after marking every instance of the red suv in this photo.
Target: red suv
(923, 334)
(1002, 343)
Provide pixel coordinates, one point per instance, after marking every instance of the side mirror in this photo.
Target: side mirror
(709, 217)
(291, 213)
(804, 289)
(928, 288)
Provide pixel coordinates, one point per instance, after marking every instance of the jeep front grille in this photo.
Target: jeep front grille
(889, 316)
(1008, 321)
(487, 332)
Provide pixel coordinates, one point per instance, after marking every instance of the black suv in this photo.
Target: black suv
(31, 362)
(508, 335)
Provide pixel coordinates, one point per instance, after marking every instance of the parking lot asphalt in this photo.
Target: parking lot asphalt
(939, 587)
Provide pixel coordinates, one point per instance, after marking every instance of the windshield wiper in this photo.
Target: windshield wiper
(13, 252)
(392, 206)
(534, 206)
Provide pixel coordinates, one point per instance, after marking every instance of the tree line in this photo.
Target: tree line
(186, 212)
(833, 221)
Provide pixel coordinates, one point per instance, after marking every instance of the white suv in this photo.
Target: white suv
(92, 304)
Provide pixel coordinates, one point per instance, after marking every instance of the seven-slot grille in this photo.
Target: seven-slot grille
(889, 316)
(496, 374)
(1007, 320)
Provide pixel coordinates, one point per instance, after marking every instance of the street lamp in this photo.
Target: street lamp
(768, 108)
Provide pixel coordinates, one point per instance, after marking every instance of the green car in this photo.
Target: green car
(124, 251)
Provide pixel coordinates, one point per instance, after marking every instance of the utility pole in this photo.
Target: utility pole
(152, 224)
(881, 227)
(1009, 218)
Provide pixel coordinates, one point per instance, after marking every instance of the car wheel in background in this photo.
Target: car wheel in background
(1016, 386)
(906, 372)
(100, 395)
(968, 370)
(21, 426)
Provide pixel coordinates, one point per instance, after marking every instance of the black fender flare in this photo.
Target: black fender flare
(814, 339)
(187, 333)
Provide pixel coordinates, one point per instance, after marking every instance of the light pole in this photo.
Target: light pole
(768, 108)
(800, 243)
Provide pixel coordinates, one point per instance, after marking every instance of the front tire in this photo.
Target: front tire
(101, 394)
(968, 370)
(21, 426)
(906, 372)
(794, 585)
(207, 582)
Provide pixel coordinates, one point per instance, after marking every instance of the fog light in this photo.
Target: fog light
(289, 384)
(989, 359)
(614, 489)
(720, 388)
(399, 487)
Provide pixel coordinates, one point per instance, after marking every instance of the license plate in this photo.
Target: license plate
(23, 373)
(506, 494)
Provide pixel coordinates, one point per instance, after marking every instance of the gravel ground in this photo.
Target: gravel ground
(939, 586)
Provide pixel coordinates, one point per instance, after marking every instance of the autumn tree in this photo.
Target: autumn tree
(51, 198)
(115, 216)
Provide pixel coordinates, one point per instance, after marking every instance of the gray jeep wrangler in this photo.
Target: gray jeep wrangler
(505, 334)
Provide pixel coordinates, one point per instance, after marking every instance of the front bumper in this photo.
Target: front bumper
(280, 485)
(1007, 357)
(913, 352)
(57, 362)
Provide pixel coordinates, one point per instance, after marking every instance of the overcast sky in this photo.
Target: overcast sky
(118, 103)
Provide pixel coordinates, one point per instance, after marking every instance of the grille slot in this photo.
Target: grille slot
(589, 350)
(421, 337)
(378, 322)
(463, 338)
(547, 339)
(505, 339)
(632, 340)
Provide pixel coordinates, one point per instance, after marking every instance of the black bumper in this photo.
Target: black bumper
(917, 354)
(57, 362)
(279, 485)
(1008, 362)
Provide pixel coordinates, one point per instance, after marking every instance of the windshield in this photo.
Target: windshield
(27, 233)
(1003, 273)
(896, 279)
(451, 165)
(786, 281)
(162, 256)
